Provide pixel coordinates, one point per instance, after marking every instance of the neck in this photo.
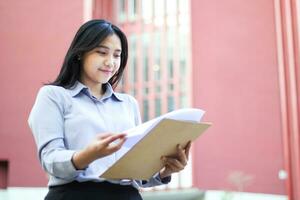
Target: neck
(95, 88)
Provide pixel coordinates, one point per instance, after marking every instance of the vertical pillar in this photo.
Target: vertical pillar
(287, 30)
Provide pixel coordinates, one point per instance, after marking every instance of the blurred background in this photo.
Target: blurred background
(237, 60)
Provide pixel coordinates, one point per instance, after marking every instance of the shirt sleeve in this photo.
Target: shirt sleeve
(155, 181)
(137, 113)
(46, 121)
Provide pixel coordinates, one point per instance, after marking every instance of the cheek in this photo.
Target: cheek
(88, 69)
(91, 61)
(117, 67)
(90, 65)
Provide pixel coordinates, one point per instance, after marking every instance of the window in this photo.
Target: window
(122, 10)
(171, 87)
(132, 9)
(170, 51)
(147, 10)
(3, 174)
(158, 12)
(133, 59)
(145, 56)
(158, 70)
(157, 54)
(171, 103)
(146, 91)
(146, 109)
(157, 107)
(157, 89)
(171, 6)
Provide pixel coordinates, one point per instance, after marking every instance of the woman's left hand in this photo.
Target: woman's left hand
(175, 163)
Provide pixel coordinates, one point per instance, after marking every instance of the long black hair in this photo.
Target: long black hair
(88, 37)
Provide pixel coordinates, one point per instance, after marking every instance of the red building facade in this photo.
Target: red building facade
(34, 38)
(247, 77)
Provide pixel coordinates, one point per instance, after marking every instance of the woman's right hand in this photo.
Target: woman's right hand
(103, 145)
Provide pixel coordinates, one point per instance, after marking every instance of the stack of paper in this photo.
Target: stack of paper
(139, 158)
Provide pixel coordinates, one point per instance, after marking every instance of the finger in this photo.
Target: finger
(181, 155)
(103, 136)
(116, 146)
(176, 164)
(113, 138)
(167, 165)
(106, 135)
(171, 168)
(187, 149)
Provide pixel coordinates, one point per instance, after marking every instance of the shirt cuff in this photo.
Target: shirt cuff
(164, 180)
(65, 168)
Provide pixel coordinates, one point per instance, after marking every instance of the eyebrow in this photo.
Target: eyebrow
(105, 47)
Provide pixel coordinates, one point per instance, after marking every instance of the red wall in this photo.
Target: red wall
(235, 79)
(34, 38)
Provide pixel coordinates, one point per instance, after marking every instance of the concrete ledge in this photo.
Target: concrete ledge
(16, 193)
(183, 194)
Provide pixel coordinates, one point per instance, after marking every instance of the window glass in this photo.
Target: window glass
(159, 12)
(145, 110)
(146, 91)
(157, 54)
(171, 8)
(133, 59)
(171, 103)
(183, 100)
(158, 89)
(157, 107)
(183, 6)
(147, 10)
(171, 87)
(170, 52)
(122, 10)
(145, 56)
(132, 10)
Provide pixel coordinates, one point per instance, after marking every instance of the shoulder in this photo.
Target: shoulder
(53, 92)
(51, 95)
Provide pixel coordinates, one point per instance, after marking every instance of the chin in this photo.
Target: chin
(103, 82)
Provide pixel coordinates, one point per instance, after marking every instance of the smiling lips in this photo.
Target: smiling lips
(105, 71)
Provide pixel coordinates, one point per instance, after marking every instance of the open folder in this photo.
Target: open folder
(140, 156)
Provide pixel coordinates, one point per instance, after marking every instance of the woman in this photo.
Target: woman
(77, 121)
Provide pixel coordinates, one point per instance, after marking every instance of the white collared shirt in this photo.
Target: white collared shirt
(64, 121)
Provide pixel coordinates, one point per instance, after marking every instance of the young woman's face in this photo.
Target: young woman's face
(101, 63)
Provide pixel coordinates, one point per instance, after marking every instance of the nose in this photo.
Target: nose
(109, 61)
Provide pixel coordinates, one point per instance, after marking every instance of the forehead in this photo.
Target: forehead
(112, 41)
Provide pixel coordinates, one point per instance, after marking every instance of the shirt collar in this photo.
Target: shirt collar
(78, 87)
(110, 92)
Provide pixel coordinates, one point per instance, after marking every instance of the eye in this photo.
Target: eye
(101, 52)
(117, 55)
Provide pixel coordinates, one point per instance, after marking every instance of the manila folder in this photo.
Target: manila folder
(143, 160)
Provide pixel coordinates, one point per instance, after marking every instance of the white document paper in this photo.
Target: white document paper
(135, 134)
